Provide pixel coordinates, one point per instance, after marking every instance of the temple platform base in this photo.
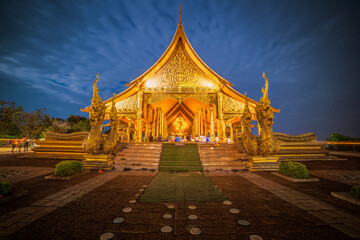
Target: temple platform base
(96, 162)
(259, 163)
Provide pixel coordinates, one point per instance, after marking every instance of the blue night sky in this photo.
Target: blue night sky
(51, 51)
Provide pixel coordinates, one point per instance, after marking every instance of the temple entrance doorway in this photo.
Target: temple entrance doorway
(190, 117)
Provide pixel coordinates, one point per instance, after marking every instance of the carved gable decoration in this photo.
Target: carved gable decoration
(230, 105)
(180, 74)
(128, 105)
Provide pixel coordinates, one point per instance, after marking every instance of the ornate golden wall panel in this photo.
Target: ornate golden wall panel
(128, 105)
(180, 74)
(150, 98)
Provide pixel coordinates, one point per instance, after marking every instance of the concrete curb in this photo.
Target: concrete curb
(346, 196)
(296, 180)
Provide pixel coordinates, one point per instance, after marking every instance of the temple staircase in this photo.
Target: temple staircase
(222, 156)
(137, 156)
(180, 157)
(67, 146)
(67, 150)
(307, 151)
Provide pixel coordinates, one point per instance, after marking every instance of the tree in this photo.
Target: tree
(84, 125)
(10, 118)
(78, 123)
(34, 122)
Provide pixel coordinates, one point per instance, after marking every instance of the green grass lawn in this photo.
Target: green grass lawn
(170, 186)
(184, 157)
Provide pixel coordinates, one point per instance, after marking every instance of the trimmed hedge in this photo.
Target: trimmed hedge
(355, 191)
(294, 169)
(67, 168)
(5, 188)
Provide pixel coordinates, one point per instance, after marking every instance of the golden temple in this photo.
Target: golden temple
(179, 95)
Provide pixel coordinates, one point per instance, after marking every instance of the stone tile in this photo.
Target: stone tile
(12, 229)
(322, 215)
(33, 217)
(351, 223)
(40, 202)
(12, 219)
(27, 210)
(346, 230)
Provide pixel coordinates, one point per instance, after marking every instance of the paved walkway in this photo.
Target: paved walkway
(349, 177)
(345, 154)
(16, 174)
(340, 220)
(21, 217)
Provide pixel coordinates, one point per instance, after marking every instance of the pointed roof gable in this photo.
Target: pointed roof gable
(179, 46)
(179, 38)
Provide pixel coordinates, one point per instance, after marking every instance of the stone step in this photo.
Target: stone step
(137, 163)
(304, 151)
(131, 167)
(215, 156)
(58, 149)
(225, 168)
(61, 143)
(310, 159)
(224, 159)
(132, 158)
(294, 144)
(220, 163)
(128, 150)
(180, 159)
(180, 168)
(145, 155)
(176, 163)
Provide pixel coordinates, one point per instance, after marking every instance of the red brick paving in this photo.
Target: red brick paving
(90, 216)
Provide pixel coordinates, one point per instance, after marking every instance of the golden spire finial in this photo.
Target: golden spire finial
(180, 12)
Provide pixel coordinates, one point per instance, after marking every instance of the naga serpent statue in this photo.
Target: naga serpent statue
(93, 144)
(111, 139)
(268, 144)
(249, 141)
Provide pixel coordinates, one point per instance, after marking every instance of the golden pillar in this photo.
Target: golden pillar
(153, 123)
(205, 122)
(128, 132)
(212, 130)
(162, 124)
(138, 133)
(222, 137)
(157, 123)
(231, 133)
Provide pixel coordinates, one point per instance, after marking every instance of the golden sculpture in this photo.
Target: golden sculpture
(112, 138)
(268, 145)
(179, 125)
(93, 144)
(248, 140)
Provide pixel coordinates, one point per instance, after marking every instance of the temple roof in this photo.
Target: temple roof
(178, 60)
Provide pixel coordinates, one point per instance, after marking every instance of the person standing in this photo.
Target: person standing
(14, 144)
(21, 144)
(26, 145)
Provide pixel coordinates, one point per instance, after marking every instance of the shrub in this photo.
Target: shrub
(77, 166)
(355, 191)
(5, 188)
(294, 169)
(67, 168)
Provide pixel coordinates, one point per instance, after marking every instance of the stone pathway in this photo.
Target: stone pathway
(340, 220)
(13, 221)
(16, 174)
(349, 177)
